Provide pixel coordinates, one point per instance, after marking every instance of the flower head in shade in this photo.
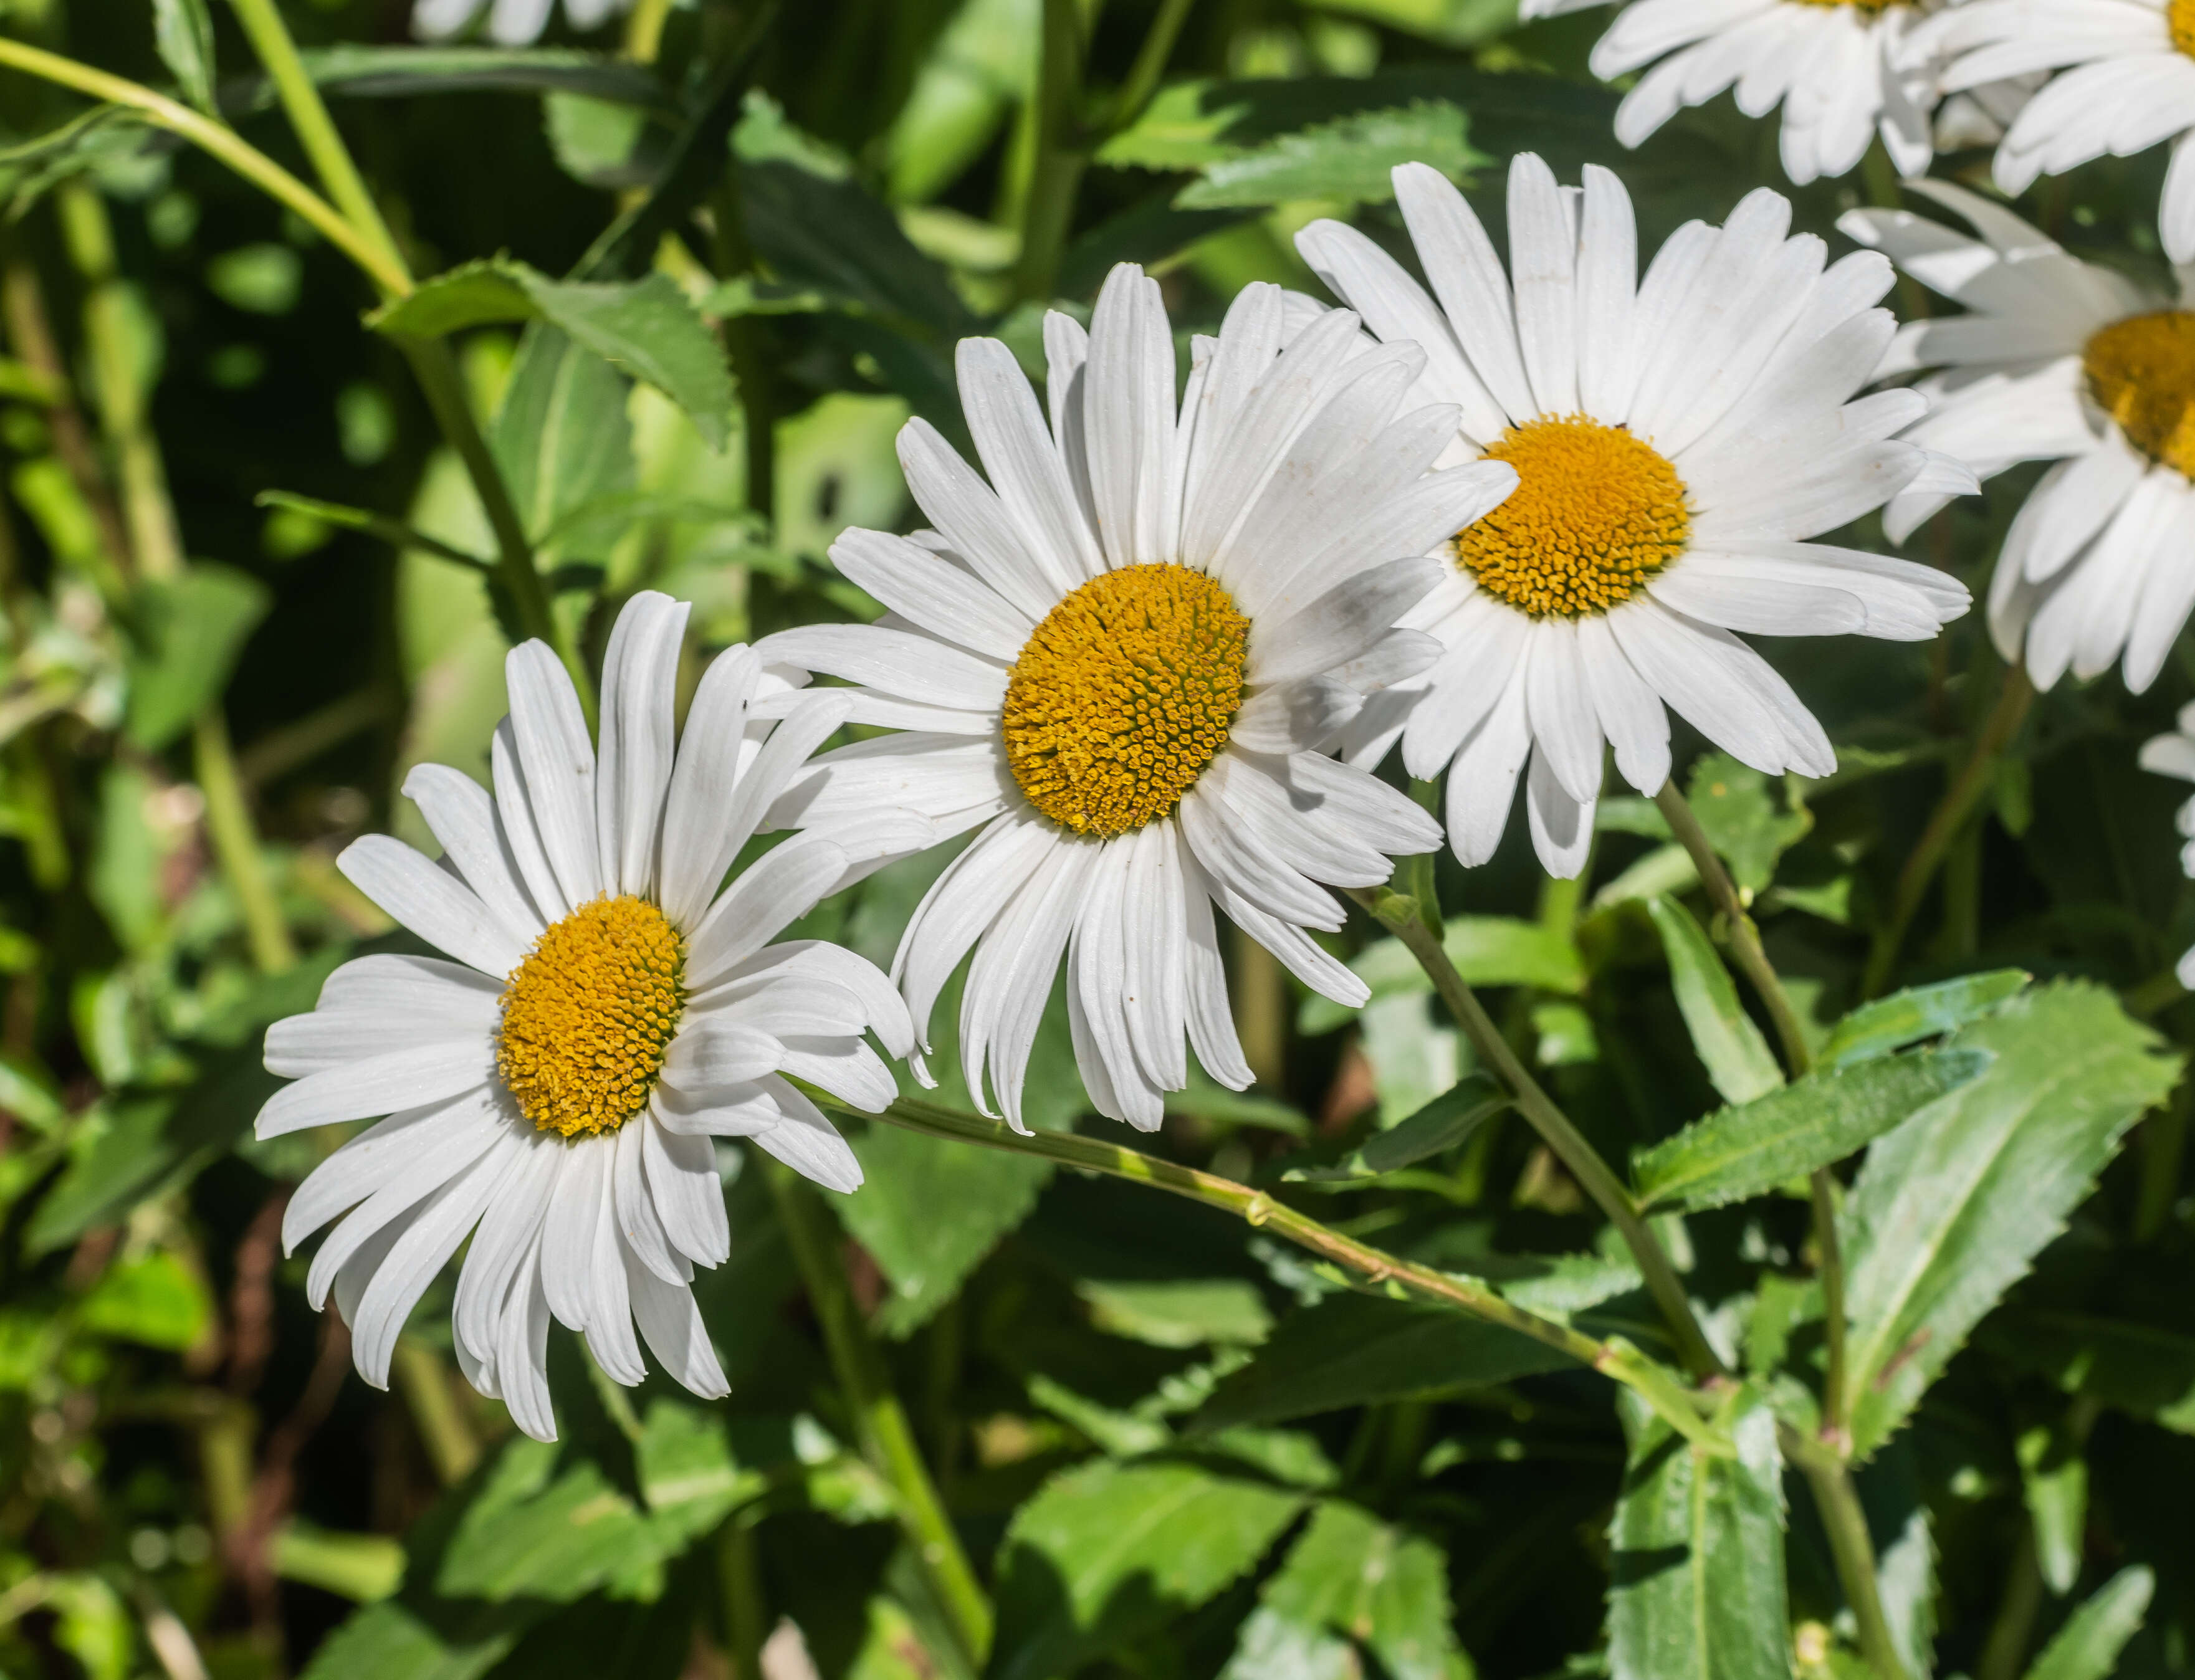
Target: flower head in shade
(2174, 755)
(2057, 360)
(2125, 82)
(1844, 70)
(1118, 662)
(1676, 438)
(511, 23)
(552, 1091)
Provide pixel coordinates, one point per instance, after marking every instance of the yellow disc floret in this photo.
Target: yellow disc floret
(1870, 6)
(1122, 696)
(2141, 372)
(2179, 19)
(588, 1014)
(1595, 513)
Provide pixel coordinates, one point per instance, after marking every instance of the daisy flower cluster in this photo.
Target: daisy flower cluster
(1142, 668)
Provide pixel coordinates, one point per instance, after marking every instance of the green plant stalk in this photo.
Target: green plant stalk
(887, 1439)
(236, 843)
(743, 342)
(423, 1377)
(1615, 1358)
(739, 1588)
(1401, 916)
(432, 364)
(220, 141)
(1143, 78)
(1950, 815)
(1845, 1522)
(1745, 945)
(1048, 207)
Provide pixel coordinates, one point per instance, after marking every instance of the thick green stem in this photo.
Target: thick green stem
(236, 844)
(1950, 815)
(315, 128)
(221, 142)
(1614, 1358)
(887, 1439)
(1048, 208)
(739, 1592)
(1851, 1548)
(1401, 916)
(1143, 78)
(1753, 957)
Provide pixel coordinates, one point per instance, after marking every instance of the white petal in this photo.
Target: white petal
(810, 1144)
(432, 903)
(557, 764)
(640, 689)
(462, 817)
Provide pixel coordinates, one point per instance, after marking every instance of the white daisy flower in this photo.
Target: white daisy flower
(2174, 755)
(2058, 360)
(553, 1091)
(1120, 659)
(1675, 437)
(2125, 83)
(511, 23)
(1844, 70)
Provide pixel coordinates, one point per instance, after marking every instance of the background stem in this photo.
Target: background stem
(1845, 1521)
(1402, 916)
(887, 1439)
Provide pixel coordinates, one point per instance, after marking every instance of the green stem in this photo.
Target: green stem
(1402, 916)
(1950, 815)
(236, 844)
(738, 1588)
(1745, 945)
(316, 130)
(221, 142)
(1845, 1521)
(432, 364)
(1143, 78)
(423, 1377)
(1048, 208)
(1614, 1358)
(886, 1438)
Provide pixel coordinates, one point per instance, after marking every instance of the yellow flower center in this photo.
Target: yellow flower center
(2179, 19)
(588, 1014)
(1868, 6)
(2141, 372)
(1122, 696)
(1596, 512)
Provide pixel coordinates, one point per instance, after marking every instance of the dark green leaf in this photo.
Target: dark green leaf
(1750, 1149)
(1352, 1576)
(832, 234)
(1907, 1017)
(1951, 1208)
(895, 1216)
(190, 632)
(182, 31)
(688, 1474)
(547, 1525)
(1738, 1060)
(1178, 1312)
(2054, 1477)
(1106, 1552)
(1695, 1569)
(1434, 1129)
(402, 72)
(1350, 160)
(2087, 1647)
(1353, 1350)
(2145, 1370)
(104, 134)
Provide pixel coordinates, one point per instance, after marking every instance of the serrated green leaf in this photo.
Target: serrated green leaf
(1750, 1149)
(1923, 1011)
(1355, 1349)
(1105, 1552)
(1351, 1575)
(182, 31)
(833, 235)
(645, 328)
(1950, 1209)
(1433, 1130)
(545, 1525)
(1738, 1061)
(1696, 1571)
(908, 1178)
(189, 634)
(2087, 1647)
(1350, 159)
(357, 72)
